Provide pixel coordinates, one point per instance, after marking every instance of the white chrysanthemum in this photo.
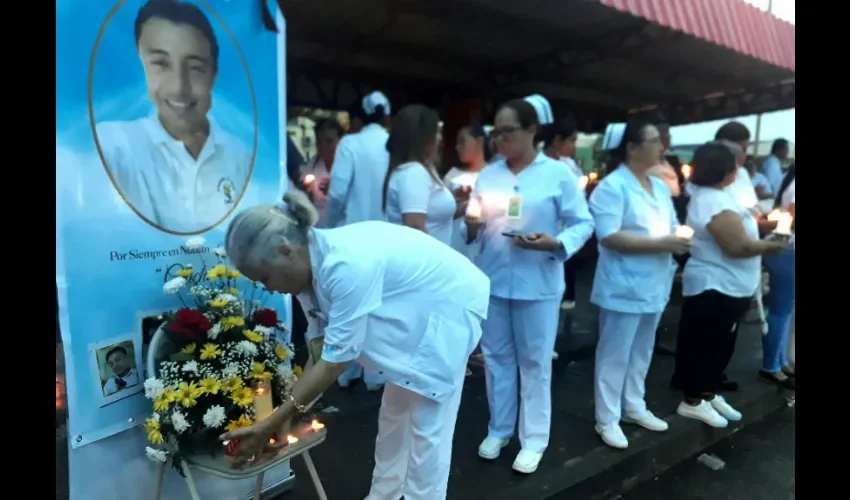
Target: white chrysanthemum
(154, 388)
(172, 287)
(191, 367)
(155, 417)
(178, 420)
(284, 370)
(230, 371)
(194, 243)
(220, 252)
(156, 455)
(227, 296)
(246, 349)
(214, 417)
(213, 332)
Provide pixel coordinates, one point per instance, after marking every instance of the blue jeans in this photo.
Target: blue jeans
(775, 343)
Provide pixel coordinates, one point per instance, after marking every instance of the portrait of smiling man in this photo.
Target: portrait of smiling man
(177, 167)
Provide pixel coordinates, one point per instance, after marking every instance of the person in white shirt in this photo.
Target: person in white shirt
(473, 151)
(316, 177)
(776, 367)
(719, 282)
(635, 224)
(176, 168)
(533, 218)
(360, 165)
(121, 364)
(760, 182)
(399, 301)
(772, 165)
(355, 192)
(414, 195)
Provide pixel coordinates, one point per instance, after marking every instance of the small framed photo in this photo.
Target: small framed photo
(117, 363)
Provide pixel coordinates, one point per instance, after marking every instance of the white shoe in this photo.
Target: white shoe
(613, 436)
(703, 412)
(568, 305)
(648, 421)
(527, 461)
(491, 447)
(555, 355)
(725, 409)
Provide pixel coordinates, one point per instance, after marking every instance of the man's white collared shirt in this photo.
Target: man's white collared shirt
(160, 179)
(130, 380)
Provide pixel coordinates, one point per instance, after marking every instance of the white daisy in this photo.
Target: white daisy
(213, 332)
(191, 367)
(154, 388)
(172, 287)
(178, 420)
(230, 371)
(265, 331)
(156, 455)
(227, 296)
(246, 349)
(214, 417)
(194, 243)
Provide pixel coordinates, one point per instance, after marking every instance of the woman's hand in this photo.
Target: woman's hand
(776, 244)
(538, 241)
(473, 225)
(255, 444)
(674, 244)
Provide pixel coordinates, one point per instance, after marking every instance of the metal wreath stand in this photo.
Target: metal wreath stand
(220, 467)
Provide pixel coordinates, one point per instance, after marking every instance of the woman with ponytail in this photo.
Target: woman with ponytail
(400, 302)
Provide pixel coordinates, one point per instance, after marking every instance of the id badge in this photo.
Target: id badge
(515, 207)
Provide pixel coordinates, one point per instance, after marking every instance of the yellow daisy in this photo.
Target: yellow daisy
(185, 273)
(187, 394)
(232, 273)
(258, 372)
(153, 430)
(230, 322)
(164, 400)
(217, 303)
(239, 423)
(233, 384)
(209, 386)
(242, 397)
(189, 349)
(210, 351)
(252, 336)
(216, 272)
(280, 352)
(298, 371)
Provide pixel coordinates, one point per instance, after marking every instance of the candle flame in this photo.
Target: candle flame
(291, 439)
(473, 210)
(582, 182)
(686, 171)
(773, 216)
(260, 391)
(309, 178)
(272, 441)
(684, 232)
(316, 425)
(593, 176)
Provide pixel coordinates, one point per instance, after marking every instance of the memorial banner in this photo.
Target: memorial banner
(169, 120)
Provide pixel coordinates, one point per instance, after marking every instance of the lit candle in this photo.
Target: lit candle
(783, 222)
(473, 210)
(263, 406)
(308, 179)
(316, 425)
(593, 176)
(686, 171)
(466, 179)
(582, 182)
(684, 232)
(291, 439)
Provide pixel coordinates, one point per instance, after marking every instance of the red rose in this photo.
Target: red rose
(266, 317)
(190, 324)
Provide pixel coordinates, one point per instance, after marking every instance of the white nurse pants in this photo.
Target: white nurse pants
(623, 355)
(413, 452)
(517, 341)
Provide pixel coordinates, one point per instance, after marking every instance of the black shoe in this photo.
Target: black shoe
(661, 350)
(729, 386)
(787, 384)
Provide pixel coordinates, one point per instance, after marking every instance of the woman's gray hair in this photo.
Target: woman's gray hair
(255, 234)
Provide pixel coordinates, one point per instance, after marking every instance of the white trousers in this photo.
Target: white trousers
(517, 341)
(354, 371)
(623, 355)
(413, 451)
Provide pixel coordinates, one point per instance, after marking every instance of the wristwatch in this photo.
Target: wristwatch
(298, 406)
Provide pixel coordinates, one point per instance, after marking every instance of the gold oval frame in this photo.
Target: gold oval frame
(204, 4)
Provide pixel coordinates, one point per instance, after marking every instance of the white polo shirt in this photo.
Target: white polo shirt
(161, 180)
(130, 380)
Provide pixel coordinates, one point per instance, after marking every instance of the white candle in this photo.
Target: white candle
(466, 179)
(684, 232)
(783, 221)
(582, 182)
(686, 171)
(316, 425)
(473, 210)
(263, 406)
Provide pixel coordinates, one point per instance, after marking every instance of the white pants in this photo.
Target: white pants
(623, 355)
(354, 371)
(518, 338)
(413, 451)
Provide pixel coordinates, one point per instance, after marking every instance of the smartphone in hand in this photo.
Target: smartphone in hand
(512, 234)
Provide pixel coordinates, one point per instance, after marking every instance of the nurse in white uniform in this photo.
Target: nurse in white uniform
(397, 300)
(414, 195)
(533, 218)
(474, 153)
(359, 168)
(355, 192)
(635, 225)
(177, 167)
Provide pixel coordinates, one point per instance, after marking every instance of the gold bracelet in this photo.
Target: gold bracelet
(298, 406)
